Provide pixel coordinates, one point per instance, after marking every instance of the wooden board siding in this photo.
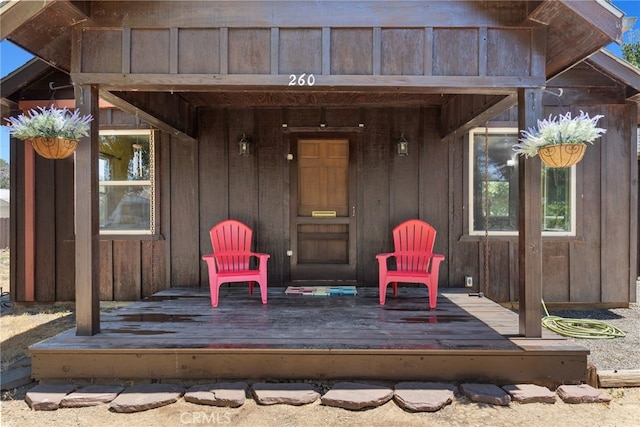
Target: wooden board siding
(258, 57)
(616, 204)
(575, 269)
(191, 59)
(205, 182)
(45, 232)
(273, 170)
(184, 214)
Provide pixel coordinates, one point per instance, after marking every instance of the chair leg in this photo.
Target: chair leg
(433, 296)
(395, 289)
(214, 294)
(250, 288)
(263, 292)
(382, 288)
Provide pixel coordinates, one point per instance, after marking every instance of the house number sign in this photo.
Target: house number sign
(303, 79)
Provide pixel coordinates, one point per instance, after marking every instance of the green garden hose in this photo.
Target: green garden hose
(580, 328)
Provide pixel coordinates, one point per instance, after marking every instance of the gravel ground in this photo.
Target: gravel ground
(616, 353)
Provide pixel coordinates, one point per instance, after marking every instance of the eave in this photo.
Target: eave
(575, 30)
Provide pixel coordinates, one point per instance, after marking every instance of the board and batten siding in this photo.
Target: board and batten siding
(597, 265)
(461, 58)
(207, 181)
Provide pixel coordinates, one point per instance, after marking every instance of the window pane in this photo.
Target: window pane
(556, 199)
(124, 157)
(500, 177)
(125, 207)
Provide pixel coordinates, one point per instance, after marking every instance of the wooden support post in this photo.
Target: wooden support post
(529, 222)
(86, 218)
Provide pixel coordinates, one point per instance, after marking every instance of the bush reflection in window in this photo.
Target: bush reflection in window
(496, 177)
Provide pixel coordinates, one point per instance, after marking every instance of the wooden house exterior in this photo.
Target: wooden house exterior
(317, 87)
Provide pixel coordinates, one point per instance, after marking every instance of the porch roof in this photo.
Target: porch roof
(574, 29)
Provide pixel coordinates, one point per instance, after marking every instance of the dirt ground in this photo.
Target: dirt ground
(622, 411)
(21, 327)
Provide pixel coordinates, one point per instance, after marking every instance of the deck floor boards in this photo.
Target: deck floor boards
(182, 321)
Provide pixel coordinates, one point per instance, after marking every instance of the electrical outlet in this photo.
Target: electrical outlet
(468, 282)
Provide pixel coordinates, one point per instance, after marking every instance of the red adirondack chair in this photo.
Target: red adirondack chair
(231, 257)
(415, 261)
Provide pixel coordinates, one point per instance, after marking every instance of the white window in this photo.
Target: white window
(494, 173)
(126, 175)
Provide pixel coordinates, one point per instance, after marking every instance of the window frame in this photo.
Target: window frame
(470, 187)
(151, 182)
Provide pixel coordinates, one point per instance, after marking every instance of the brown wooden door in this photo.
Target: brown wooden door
(322, 209)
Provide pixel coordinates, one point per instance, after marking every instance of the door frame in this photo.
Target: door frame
(310, 272)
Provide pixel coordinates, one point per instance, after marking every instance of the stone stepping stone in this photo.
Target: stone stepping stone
(286, 393)
(142, 397)
(582, 393)
(91, 395)
(423, 396)
(230, 395)
(530, 393)
(485, 393)
(350, 395)
(47, 397)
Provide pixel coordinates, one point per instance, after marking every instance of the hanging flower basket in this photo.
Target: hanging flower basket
(562, 155)
(54, 147)
(561, 140)
(53, 132)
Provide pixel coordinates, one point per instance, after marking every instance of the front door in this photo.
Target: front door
(323, 208)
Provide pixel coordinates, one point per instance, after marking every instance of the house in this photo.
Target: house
(323, 92)
(5, 203)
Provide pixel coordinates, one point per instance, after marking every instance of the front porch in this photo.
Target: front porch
(176, 334)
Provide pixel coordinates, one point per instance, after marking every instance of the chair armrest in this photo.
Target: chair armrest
(435, 262)
(263, 258)
(385, 257)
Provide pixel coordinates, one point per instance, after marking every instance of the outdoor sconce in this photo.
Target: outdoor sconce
(244, 145)
(402, 146)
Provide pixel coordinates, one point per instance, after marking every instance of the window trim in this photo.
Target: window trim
(152, 183)
(470, 196)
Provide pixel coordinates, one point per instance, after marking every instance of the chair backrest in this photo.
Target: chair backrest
(231, 241)
(413, 243)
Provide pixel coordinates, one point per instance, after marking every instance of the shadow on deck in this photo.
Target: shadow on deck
(176, 334)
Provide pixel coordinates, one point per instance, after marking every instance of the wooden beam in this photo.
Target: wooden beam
(267, 14)
(14, 14)
(86, 218)
(475, 117)
(619, 378)
(207, 82)
(140, 112)
(529, 222)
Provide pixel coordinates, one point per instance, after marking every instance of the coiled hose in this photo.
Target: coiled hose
(580, 328)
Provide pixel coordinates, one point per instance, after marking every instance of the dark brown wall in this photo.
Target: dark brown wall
(201, 183)
(389, 189)
(599, 263)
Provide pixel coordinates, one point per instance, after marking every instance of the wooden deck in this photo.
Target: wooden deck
(176, 334)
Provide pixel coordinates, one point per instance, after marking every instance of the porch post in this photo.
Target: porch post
(529, 222)
(86, 218)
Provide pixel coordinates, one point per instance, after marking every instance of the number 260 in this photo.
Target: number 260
(302, 80)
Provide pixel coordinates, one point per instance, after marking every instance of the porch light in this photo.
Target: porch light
(403, 146)
(244, 145)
